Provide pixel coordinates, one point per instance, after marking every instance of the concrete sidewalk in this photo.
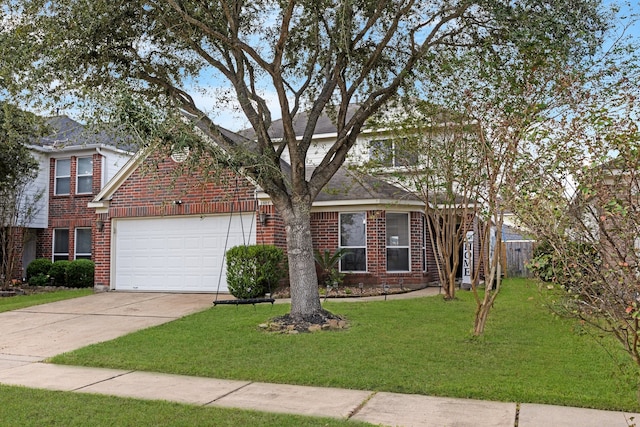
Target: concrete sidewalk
(43, 331)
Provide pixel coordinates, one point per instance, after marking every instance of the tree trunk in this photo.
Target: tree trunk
(303, 281)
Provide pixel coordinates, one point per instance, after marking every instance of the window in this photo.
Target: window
(353, 239)
(392, 153)
(84, 175)
(60, 244)
(63, 177)
(397, 242)
(83, 243)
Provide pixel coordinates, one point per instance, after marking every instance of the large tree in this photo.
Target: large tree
(320, 56)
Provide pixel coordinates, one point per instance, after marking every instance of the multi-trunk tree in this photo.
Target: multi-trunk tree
(320, 56)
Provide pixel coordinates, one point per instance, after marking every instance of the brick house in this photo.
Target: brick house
(74, 164)
(165, 231)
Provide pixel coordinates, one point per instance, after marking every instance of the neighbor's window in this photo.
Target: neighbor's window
(84, 175)
(353, 239)
(392, 153)
(397, 242)
(63, 176)
(60, 244)
(83, 243)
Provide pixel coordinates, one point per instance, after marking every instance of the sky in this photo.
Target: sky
(230, 117)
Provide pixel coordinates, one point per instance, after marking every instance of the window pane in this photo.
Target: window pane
(83, 241)
(397, 229)
(354, 260)
(382, 152)
(63, 167)
(85, 166)
(397, 259)
(63, 185)
(353, 229)
(84, 184)
(61, 241)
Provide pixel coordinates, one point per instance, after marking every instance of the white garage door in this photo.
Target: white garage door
(175, 254)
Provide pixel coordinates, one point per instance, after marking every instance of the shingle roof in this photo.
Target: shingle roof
(324, 125)
(349, 185)
(68, 132)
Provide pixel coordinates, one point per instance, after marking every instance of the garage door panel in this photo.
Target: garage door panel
(178, 254)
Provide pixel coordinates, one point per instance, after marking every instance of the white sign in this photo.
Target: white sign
(467, 258)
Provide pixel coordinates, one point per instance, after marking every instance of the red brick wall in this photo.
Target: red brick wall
(324, 228)
(69, 211)
(153, 190)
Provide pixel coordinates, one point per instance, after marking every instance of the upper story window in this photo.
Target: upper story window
(353, 239)
(392, 153)
(84, 175)
(63, 177)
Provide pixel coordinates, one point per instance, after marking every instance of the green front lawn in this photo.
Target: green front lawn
(28, 407)
(418, 346)
(23, 301)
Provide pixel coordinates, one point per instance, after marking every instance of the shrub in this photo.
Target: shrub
(38, 267)
(253, 270)
(58, 272)
(329, 275)
(40, 280)
(80, 273)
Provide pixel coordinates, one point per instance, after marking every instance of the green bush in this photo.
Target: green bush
(38, 267)
(80, 273)
(58, 272)
(40, 280)
(253, 270)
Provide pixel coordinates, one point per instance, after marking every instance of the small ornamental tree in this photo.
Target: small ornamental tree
(579, 192)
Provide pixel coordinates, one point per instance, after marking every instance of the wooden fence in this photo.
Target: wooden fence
(518, 253)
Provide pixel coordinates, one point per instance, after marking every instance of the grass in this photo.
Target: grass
(420, 346)
(29, 407)
(23, 301)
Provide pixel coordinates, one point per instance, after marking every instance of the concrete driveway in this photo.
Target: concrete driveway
(42, 331)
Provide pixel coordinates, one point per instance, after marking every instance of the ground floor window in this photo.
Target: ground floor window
(353, 240)
(60, 244)
(83, 243)
(398, 241)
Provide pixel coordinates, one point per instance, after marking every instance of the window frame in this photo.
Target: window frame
(349, 248)
(76, 253)
(56, 255)
(85, 175)
(58, 177)
(389, 246)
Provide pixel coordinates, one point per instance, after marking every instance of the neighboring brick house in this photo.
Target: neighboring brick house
(74, 164)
